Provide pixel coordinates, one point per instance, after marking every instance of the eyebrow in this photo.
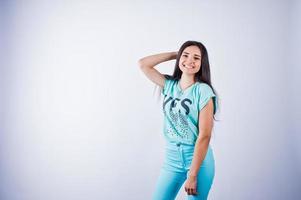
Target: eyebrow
(194, 54)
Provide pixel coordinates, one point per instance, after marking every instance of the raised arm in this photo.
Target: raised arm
(148, 63)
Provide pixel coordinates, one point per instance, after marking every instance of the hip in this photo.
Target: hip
(178, 157)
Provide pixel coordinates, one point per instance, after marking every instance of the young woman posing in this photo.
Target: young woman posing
(189, 106)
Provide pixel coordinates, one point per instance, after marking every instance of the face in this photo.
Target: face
(190, 60)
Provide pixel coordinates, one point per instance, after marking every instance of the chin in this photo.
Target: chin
(188, 71)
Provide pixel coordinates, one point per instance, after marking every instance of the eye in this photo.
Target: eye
(184, 55)
(197, 58)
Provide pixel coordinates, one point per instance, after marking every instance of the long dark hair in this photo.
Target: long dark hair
(203, 75)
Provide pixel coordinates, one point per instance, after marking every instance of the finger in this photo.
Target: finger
(191, 191)
(187, 190)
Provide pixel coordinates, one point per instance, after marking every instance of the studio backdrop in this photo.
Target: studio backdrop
(79, 120)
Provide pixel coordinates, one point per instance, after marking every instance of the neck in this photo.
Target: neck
(187, 80)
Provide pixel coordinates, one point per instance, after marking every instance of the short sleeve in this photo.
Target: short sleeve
(167, 85)
(206, 93)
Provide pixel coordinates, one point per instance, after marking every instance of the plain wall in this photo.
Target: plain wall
(294, 69)
(79, 120)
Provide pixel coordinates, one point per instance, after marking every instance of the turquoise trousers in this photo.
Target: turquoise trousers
(173, 174)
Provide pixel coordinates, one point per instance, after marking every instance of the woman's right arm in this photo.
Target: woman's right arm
(148, 63)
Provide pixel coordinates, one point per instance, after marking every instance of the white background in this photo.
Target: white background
(79, 120)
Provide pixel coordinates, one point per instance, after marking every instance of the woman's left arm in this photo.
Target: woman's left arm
(201, 145)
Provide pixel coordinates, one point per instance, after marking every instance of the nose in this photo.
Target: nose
(190, 60)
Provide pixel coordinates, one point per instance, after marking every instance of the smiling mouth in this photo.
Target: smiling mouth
(188, 67)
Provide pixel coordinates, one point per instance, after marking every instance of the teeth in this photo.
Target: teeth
(188, 67)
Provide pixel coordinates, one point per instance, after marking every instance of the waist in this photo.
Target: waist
(176, 145)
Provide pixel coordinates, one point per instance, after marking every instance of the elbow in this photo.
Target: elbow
(204, 138)
(141, 63)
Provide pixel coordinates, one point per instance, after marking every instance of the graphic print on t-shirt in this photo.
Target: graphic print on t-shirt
(178, 110)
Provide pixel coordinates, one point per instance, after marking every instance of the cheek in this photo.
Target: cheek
(199, 65)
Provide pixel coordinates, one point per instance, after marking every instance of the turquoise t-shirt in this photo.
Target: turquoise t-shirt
(181, 110)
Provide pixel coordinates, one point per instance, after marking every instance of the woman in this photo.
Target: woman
(189, 106)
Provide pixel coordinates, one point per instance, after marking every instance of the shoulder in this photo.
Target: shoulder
(169, 80)
(205, 94)
(204, 88)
